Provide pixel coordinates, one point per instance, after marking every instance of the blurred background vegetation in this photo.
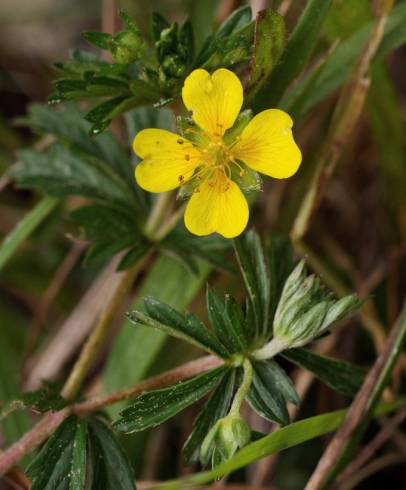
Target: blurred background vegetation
(49, 299)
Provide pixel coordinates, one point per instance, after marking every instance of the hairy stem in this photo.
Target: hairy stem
(243, 389)
(51, 420)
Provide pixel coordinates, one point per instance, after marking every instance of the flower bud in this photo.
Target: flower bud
(305, 310)
(227, 436)
(126, 47)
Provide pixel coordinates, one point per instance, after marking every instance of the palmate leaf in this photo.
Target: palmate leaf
(186, 327)
(69, 125)
(81, 451)
(270, 390)
(154, 407)
(341, 376)
(60, 172)
(110, 230)
(215, 408)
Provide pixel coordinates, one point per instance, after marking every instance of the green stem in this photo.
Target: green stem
(158, 212)
(269, 350)
(25, 227)
(243, 389)
(90, 348)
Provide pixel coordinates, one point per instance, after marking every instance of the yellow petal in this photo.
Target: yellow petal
(168, 160)
(267, 145)
(218, 207)
(215, 100)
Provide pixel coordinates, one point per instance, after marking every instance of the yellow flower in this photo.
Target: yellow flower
(207, 164)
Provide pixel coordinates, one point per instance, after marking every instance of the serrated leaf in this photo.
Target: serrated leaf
(215, 408)
(129, 21)
(61, 463)
(60, 172)
(344, 377)
(158, 24)
(47, 397)
(229, 36)
(189, 328)
(155, 407)
(186, 41)
(269, 42)
(270, 390)
(102, 111)
(111, 469)
(101, 40)
(255, 273)
(69, 125)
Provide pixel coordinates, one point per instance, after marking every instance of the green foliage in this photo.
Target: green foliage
(230, 338)
(135, 79)
(256, 279)
(47, 397)
(270, 390)
(306, 310)
(269, 42)
(327, 76)
(344, 377)
(287, 437)
(298, 50)
(154, 407)
(81, 451)
(30, 221)
(215, 409)
(110, 467)
(187, 327)
(61, 463)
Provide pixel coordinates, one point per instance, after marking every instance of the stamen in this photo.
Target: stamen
(242, 171)
(181, 179)
(187, 157)
(180, 142)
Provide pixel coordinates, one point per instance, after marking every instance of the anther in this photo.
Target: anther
(181, 178)
(180, 142)
(187, 157)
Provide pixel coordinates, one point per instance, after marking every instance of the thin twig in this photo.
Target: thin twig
(99, 333)
(50, 294)
(70, 335)
(51, 420)
(345, 119)
(375, 466)
(370, 449)
(359, 412)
